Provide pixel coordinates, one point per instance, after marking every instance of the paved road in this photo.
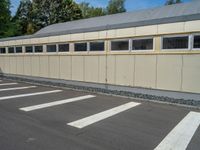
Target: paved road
(44, 118)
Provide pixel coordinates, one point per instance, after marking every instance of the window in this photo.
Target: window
(97, 46)
(142, 44)
(18, 49)
(120, 45)
(2, 50)
(80, 47)
(11, 50)
(51, 48)
(63, 47)
(196, 41)
(38, 49)
(175, 42)
(29, 49)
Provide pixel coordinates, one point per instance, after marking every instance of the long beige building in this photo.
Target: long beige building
(155, 49)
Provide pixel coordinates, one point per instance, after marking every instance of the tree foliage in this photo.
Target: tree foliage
(4, 17)
(32, 15)
(116, 6)
(90, 11)
(171, 2)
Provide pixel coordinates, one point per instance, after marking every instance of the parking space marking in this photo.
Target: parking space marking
(51, 104)
(17, 88)
(181, 135)
(102, 115)
(8, 84)
(29, 94)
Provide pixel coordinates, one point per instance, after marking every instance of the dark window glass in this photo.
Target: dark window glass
(38, 49)
(18, 49)
(51, 48)
(2, 50)
(29, 49)
(63, 47)
(142, 44)
(120, 45)
(80, 47)
(11, 50)
(175, 42)
(196, 41)
(96, 46)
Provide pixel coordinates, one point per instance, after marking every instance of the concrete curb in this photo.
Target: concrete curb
(171, 97)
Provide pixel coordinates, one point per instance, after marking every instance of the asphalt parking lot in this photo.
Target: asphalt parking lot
(36, 117)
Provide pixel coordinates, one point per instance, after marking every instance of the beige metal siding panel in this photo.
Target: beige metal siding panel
(169, 69)
(20, 65)
(2, 64)
(65, 67)
(78, 68)
(27, 65)
(111, 69)
(102, 34)
(91, 68)
(44, 66)
(26, 41)
(145, 71)
(146, 30)
(102, 69)
(111, 34)
(77, 37)
(64, 38)
(35, 63)
(124, 70)
(13, 65)
(35, 40)
(91, 35)
(54, 67)
(171, 28)
(7, 64)
(191, 73)
(53, 39)
(127, 32)
(192, 26)
(43, 40)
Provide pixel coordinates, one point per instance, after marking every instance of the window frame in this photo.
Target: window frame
(50, 44)
(13, 48)
(29, 52)
(87, 47)
(64, 51)
(97, 41)
(178, 49)
(38, 52)
(143, 38)
(192, 41)
(117, 40)
(18, 47)
(5, 50)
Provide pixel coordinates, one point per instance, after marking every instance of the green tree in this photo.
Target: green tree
(89, 11)
(47, 12)
(5, 17)
(116, 6)
(171, 2)
(23, 17)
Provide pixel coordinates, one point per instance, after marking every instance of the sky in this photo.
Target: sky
(130, 5)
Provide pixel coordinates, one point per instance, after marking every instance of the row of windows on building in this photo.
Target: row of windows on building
(175, 42)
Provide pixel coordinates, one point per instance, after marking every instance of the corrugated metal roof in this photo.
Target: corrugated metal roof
(166, 14)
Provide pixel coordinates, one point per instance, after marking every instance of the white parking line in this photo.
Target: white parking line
(8, 84)
(29, 94)
(45, 105)
(180, 136)
(17, 88)
(102, 115)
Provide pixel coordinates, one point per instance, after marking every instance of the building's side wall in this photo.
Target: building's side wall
(157, 69)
